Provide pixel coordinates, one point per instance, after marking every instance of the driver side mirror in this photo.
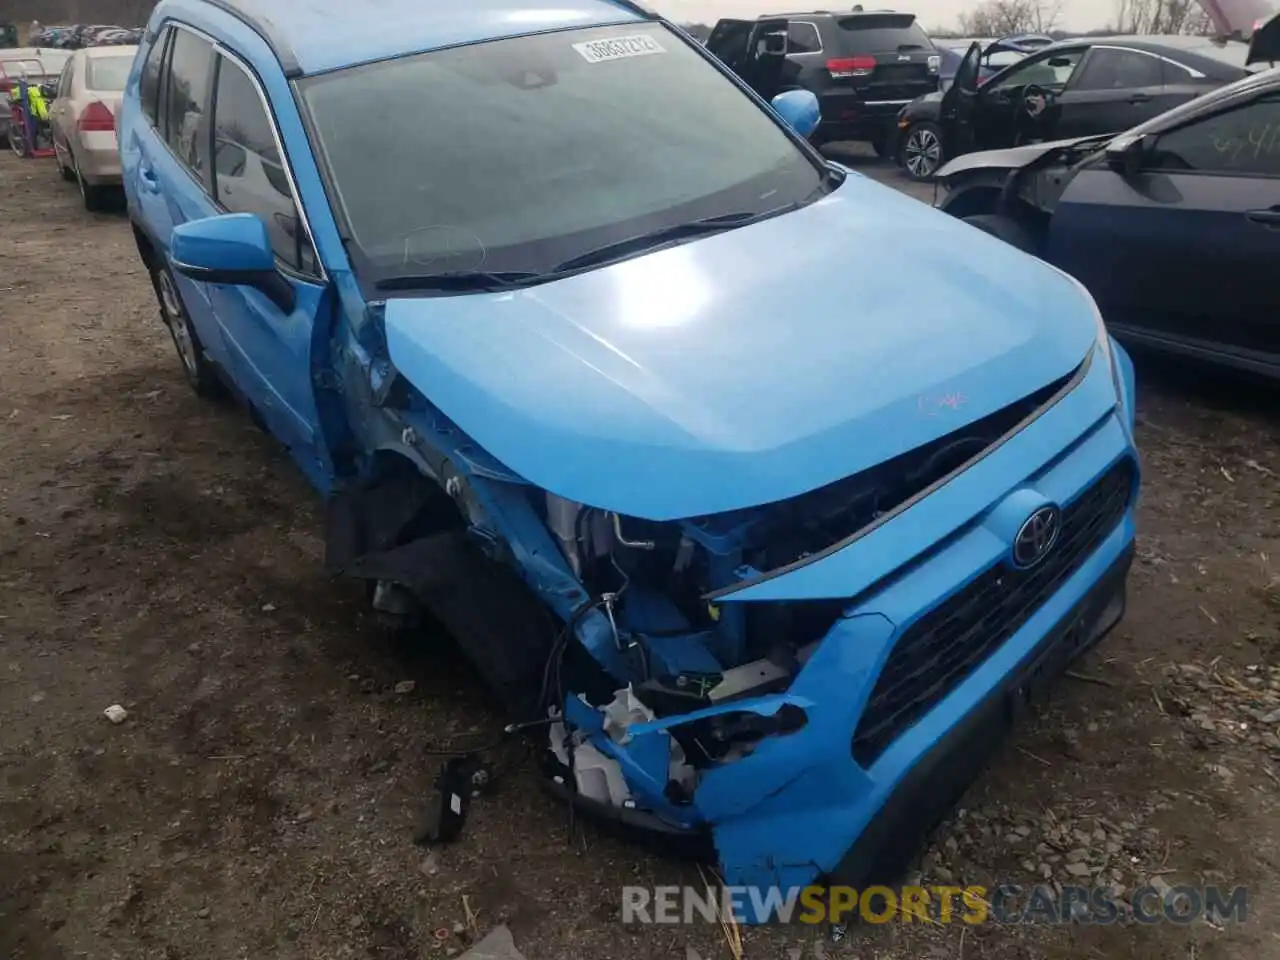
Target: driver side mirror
(232, 249)
(1060, 61)
(800, 109)
(1125, 154)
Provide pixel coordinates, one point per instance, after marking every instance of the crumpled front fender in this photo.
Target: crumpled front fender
(835, 685)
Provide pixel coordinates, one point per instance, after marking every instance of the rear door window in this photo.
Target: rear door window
(64, 81)
(802, 37)
(728, 41)
(1242, 142)
(187, 93)
(1111, 69)
(149, 84)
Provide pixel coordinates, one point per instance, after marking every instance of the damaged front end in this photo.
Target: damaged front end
(753, 686)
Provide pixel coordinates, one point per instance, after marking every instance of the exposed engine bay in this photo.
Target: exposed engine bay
(649, 673)
(1034, 188)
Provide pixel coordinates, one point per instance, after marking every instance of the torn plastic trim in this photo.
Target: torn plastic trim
(812, 719)
(644, 750)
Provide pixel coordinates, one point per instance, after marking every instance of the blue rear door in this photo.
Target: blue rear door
(164, 155)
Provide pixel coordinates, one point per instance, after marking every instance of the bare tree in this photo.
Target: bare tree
(999, 18)
(1161, 17)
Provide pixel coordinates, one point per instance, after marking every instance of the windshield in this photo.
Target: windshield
(522, 153)
(44, 63)
(108, 73)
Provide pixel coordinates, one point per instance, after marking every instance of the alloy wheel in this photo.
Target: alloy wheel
(176, 319)
(922, 152)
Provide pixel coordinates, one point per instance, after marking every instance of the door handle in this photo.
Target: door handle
(1269, 217)
(1140, 98)
(149, 181)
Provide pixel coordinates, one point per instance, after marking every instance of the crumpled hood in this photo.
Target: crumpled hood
(748, 366)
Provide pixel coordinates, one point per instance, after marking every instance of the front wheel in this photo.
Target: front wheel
(921, 153)
(199, 372)
(1011, 231)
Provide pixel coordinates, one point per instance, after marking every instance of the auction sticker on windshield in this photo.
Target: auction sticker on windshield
(597, 51)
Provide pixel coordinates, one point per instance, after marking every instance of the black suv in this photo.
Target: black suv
(863, 66)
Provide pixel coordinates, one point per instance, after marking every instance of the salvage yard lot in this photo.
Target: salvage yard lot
(259, 800)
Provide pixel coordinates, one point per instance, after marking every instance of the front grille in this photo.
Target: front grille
(946, 645)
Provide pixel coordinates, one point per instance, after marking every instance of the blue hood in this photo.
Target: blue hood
(748, 366)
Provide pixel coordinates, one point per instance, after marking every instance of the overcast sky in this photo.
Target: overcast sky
(1076, 14)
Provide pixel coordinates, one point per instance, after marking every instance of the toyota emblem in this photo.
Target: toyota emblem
(1036, 536)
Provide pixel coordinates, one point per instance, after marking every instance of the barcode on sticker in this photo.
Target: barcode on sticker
(597, 51)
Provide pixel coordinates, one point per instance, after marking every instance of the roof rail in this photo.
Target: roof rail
(267, 31)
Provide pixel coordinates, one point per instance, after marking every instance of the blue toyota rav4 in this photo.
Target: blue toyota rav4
(763, 496)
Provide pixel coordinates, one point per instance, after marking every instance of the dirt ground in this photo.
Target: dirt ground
(259, 800)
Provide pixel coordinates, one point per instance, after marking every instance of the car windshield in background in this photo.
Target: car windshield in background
(881, 32)
(108, 73)
(33, 67)
(531, 151)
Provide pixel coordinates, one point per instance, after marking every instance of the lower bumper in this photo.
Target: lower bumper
(101, 168)
(936, 782)
(925, 794)
(851, 118)
(864, 128)
(934, 659)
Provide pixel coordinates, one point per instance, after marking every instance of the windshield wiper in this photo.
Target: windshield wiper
(462, 281)
(667, 234)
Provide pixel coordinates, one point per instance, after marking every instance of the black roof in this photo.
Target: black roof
(824, 13)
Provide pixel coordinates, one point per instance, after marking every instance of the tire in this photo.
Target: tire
(66, 174)
(921, 152)
(1005, 228)
(95, 199)
(17, 138)
(195, 367)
